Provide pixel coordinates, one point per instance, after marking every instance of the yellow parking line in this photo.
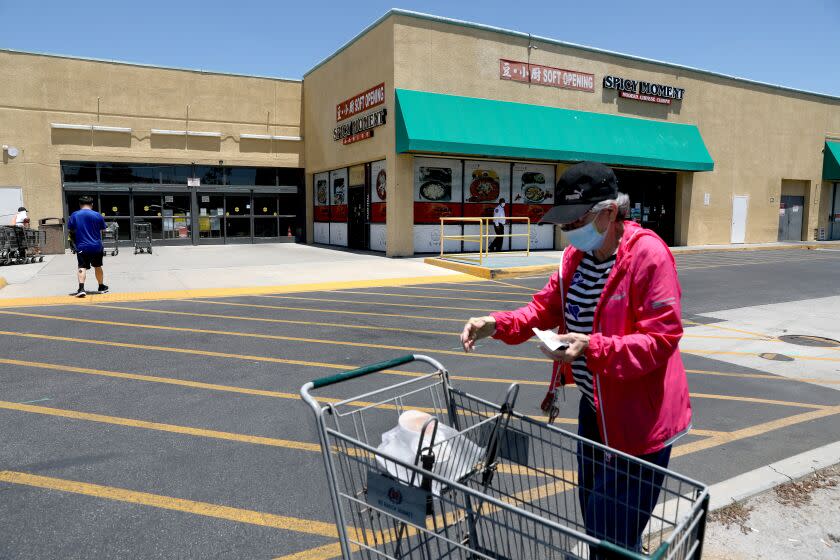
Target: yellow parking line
(339, 325)
(751, 263)
(318, 553)
(254, 358)
(377, 303)
(237, 515)
(523, 288)
(759, 401)
(235, 292)
(762, 376)
(416, 296)
(276, 337)
(160, 427)
(735, 353)
(741, 331)
(316, 310)
(282, 321)
(756, 430)
(459, 290)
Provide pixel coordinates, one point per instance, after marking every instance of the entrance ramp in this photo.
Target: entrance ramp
(500, 266)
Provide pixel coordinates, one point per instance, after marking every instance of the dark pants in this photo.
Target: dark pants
(497, 242)
(616, 496)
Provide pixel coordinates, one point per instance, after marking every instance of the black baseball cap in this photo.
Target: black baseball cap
(581, 187)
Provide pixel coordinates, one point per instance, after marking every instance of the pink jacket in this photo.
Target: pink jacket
(641, 390)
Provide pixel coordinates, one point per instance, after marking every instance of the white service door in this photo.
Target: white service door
(739, 218)
(11, 198)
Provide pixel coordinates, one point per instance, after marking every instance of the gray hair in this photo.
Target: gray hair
(622, 201)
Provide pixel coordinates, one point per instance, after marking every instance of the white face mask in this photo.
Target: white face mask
(502, 204)
(586, 238)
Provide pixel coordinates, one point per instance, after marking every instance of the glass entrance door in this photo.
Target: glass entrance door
(211, 215)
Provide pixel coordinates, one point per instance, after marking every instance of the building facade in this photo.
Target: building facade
(415, 119)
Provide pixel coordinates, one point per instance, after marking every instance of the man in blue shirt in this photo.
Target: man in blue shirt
(85, 228)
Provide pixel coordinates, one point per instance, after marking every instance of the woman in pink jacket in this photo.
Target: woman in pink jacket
(615, 302)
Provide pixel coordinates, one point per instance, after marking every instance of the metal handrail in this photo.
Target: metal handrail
(483, 236)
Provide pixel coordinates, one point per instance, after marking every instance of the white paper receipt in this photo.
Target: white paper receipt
(549, 339)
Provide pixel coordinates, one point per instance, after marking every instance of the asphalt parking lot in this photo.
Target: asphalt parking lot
(174, 429)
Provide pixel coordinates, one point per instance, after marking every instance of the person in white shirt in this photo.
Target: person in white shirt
(21, 218)
(498, 225)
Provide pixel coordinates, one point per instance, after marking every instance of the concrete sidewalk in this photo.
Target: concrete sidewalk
(216, 266)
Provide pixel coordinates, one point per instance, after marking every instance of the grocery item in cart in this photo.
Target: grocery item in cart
(455, 455)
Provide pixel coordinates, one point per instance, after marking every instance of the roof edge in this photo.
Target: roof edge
(150, 66)
(512, 33)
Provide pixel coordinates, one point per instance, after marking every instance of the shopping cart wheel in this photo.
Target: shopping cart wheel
(40, 259)
(150, 250)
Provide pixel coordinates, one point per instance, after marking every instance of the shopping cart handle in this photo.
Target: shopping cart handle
(344, 376)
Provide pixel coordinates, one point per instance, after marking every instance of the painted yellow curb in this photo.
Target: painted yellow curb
(233, 292)
(3, 283)
(491, 273)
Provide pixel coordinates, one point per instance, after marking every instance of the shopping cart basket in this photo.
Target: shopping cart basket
(142, 237)
(35, 240)
(503, 487)
(111, 238)
(13, 240)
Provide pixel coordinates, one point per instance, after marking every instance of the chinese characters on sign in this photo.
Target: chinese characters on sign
(545, 75)
(644, 91)
(361, 102)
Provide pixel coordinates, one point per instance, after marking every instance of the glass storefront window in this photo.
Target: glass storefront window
(115, 204)
(238, 228)
(73, 200)
(238, 205)
(175, 174)
(147, 205)
(265, 227)
(265, 205)
(210, 175)
(79, 171)
(128, 173)
(250, 176)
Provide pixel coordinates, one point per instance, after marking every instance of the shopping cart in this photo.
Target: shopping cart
(35, 241)
(12, 245)
(504, 486)
(142, 237)
(111, 238)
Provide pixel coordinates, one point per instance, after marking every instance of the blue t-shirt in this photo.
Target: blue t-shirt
(87, 226)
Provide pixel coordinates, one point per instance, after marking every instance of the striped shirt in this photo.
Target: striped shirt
(584, 292)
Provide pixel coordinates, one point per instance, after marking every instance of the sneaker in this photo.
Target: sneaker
(103, 289)
(79, 293)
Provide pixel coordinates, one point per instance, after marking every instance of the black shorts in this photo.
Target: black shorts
(87, 260)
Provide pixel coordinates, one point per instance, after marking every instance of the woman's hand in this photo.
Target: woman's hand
(577, 345)
(476, 329)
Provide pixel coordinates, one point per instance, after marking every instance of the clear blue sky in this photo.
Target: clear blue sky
(788, 42)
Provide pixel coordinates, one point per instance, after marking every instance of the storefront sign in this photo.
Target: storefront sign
(361, 124)
(545, 75)
(361, 102)
(644, 91)
(356, 137)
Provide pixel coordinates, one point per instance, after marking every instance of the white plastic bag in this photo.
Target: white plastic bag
(455, 455)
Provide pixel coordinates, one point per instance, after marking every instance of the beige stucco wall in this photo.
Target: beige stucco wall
(38, 90)
(756, 135)
(364, 64)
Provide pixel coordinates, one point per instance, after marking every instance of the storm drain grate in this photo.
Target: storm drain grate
(808, 340)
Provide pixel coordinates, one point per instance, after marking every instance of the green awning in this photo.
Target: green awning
(831, 161)
(451, 124)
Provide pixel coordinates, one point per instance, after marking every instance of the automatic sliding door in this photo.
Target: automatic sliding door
(238, 218)
(211, 215)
